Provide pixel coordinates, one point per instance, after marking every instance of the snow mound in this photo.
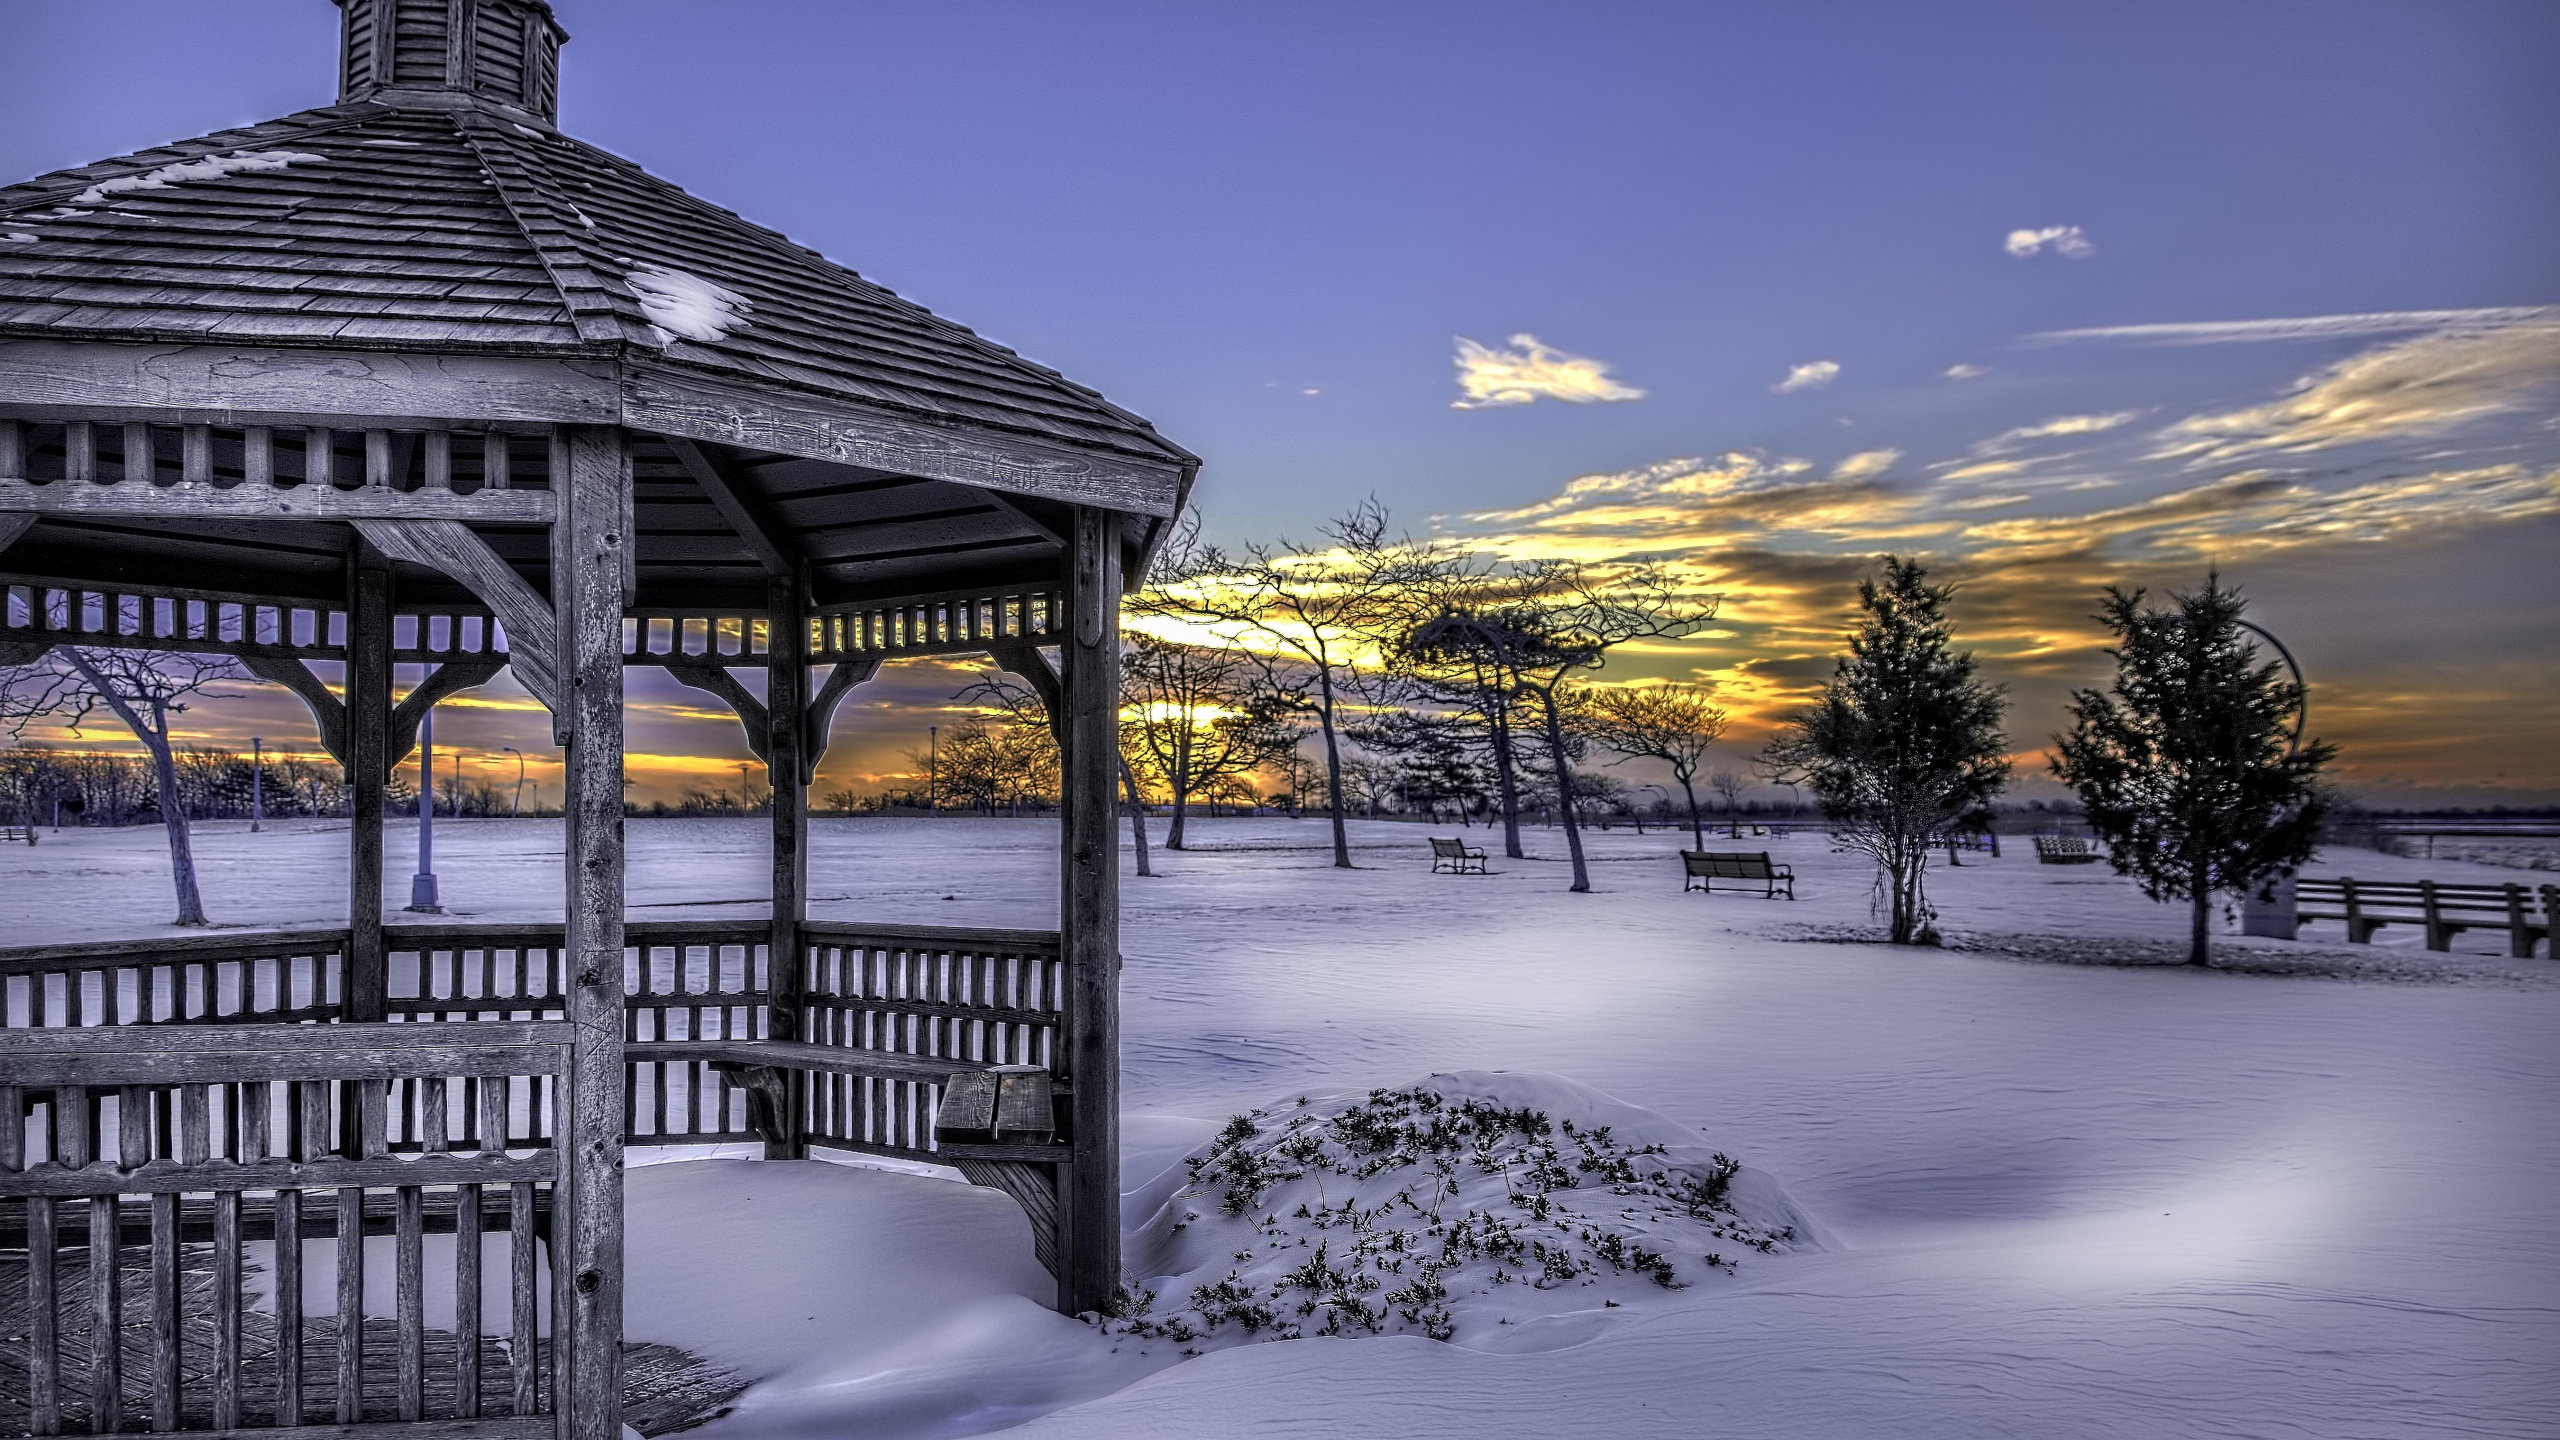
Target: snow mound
(1499, 1210)
(679, 303)
(212, 167)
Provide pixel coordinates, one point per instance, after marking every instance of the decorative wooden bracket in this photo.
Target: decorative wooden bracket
(821, 719)
(14, 524)
(451, 547)
(329, 713)
(448, 678)
(714, 679)
(22, 652)
(1027, 662)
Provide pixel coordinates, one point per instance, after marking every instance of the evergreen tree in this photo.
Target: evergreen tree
(1903, 740)
(2190, 769)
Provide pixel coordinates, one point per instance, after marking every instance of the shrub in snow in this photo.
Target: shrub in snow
(1445, 1209)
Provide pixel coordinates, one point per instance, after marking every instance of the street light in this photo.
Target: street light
(515, 807)
(1665, 802)
(257, 782)
(422, 886)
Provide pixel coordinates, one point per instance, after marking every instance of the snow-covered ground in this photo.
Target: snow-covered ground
(2308, 1194)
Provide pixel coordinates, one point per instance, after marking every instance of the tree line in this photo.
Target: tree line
(1456, 683)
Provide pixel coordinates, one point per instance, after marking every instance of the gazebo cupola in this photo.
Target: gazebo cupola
(501, 53)
(414, 379)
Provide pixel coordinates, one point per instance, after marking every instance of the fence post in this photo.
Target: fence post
(786, 963)
(1089, 910)
(588, 598)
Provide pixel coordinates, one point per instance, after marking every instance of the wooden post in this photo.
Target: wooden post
(364, 979)
(588, 599)
(1089, 911)
(786, 705)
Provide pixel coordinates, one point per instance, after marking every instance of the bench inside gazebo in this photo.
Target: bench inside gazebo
(414, 379)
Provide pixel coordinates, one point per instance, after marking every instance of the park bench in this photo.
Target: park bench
(2064, 850)
(1453, 857)
(12, 834)
(2445, 909)
(1705, 867)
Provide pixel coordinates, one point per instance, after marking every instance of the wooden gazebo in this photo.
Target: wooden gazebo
(416, 379)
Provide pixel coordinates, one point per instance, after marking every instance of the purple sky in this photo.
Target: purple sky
(1267, 227)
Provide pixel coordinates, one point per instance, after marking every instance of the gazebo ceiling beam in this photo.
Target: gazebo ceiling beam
(816, 428)
(724, 480)
(14, 524)
(260, 385)
(139, 500)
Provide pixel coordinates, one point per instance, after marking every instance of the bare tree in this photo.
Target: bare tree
(1546, 622)
(1197, 718)
(1675, 724)
(1306, 616)
(146, 689)
(1730, 784)
(1025, 707)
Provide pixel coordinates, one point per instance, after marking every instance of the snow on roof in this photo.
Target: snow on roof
(680, 303)
(212, 167)
(18, 237)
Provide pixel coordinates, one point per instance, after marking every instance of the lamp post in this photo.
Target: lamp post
(932, 770)
(1665, 802)
(422, 886)
(257, 783)
(515, 807)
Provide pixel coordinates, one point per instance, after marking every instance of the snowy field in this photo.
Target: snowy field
(2307, 1194)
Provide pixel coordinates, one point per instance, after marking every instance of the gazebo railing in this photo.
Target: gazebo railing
(996, 997)
(905, 1005)
(156, 1155)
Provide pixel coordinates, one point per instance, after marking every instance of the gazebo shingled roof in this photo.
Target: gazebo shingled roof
(417, 218)
(415, 379)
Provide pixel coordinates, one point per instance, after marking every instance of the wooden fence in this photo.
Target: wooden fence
(156, 1155)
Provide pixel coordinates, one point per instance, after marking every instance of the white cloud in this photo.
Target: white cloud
(2065, 240)
(2422, 386)
(2314, 327)
(1530, 371)
(1812, 375)
(1865, 464)
(2008, 440)
(1966, 372)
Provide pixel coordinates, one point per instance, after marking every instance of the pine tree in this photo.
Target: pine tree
(1903, 741)
(2190, 769)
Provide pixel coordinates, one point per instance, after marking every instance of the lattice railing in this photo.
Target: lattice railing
(936, 624)
(237, 624)
(275, 458)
